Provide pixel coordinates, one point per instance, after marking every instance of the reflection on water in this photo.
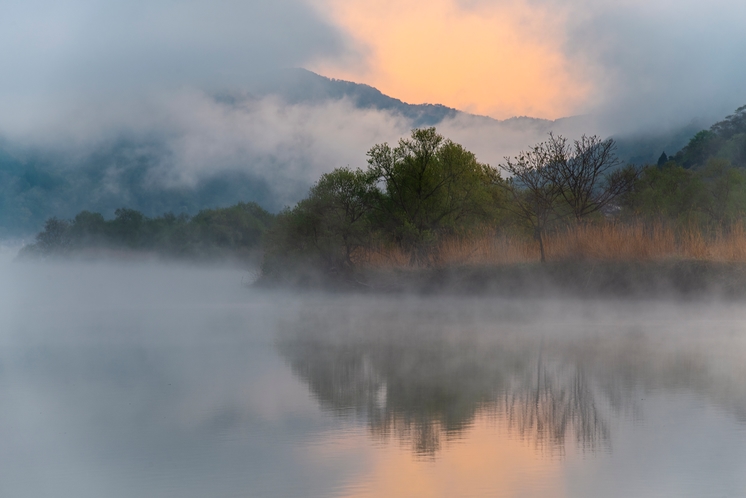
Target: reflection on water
(422, 387)
(168, 381)
(425, 377)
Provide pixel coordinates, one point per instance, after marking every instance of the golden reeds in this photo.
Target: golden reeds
(596, 242)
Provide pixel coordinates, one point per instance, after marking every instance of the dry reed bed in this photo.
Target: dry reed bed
(605, 242)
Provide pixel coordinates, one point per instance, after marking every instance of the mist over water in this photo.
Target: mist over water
(165, 380)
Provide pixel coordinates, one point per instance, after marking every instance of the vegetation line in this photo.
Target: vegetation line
(427, 202)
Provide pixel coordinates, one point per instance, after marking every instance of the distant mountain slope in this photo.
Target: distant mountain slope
(35, 187)
(300, 86)
(242, 146)
(646, 148)
(724, 140)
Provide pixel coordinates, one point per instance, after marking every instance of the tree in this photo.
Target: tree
(534, 192)
(88, 229)
(235, 228)
(55, 238)
(556, 179)
(668, 194)
(126, 227)
(724, 186)
(341, 201)
(431, 186)
(324, 230)
(588, 173)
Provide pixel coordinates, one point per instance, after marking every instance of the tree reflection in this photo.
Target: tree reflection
(560, 403)
(424, 386)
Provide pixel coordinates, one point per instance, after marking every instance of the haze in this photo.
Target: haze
(81, 74)
(164, 380)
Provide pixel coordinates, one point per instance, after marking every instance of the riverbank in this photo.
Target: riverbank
(675, 278)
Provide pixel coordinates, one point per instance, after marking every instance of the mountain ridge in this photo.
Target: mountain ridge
(37, 183)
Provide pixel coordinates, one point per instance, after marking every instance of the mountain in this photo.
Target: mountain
(223, 148)
(300, 86)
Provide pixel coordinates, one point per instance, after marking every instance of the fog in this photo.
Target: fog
(78, 49)
(649, 64)
(82, 75)
(169, 380)
(142, 378)
(187, 138)
(658, 64)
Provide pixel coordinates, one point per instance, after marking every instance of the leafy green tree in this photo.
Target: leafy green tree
(731, 125)
(55, 238)
(671, 194)
(239, 227)
(235, 232)
(325, 229)
(125, 228)
(725, 200)
(431, 187)
(725, 139)
(699, 148)
(88, 229)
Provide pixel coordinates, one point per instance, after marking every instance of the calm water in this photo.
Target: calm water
(138, 380)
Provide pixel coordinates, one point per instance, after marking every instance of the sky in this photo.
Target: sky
(502, 58)
(78, 72)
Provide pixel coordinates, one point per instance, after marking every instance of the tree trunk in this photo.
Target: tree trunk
(541, 245)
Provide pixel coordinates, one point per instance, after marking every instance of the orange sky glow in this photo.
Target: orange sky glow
(500, 60)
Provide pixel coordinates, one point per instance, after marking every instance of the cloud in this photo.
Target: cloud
(81, 73)
(55, 49)
(636, 63)
(498, 58)
(658, 63)
(187, 137)
(287, 145)
(492, 141)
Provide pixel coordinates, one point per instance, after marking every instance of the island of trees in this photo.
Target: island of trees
(428, 203)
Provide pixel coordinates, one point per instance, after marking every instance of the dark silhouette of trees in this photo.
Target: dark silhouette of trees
(410, 195)
(431, 186)
(588, 174)
(557, 179)
(534, 193)
(235, 231)
(325, 228)
(55, 238)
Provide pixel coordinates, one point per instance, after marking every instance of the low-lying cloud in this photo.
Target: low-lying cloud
(85, 73)
(192, 136)
(657, 64)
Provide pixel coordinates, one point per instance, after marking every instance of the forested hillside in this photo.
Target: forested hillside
(724, 142)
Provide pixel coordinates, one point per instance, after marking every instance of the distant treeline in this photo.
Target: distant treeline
(427, 192)
(234, 232)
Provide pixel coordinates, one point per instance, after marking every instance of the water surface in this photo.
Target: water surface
(147, 380)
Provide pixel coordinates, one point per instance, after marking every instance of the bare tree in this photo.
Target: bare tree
(588, 173)
(557, 179)
(532, 187)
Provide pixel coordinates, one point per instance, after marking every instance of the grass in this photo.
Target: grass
(613, 242)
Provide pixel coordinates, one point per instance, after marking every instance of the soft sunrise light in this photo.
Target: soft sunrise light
(500, 60)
